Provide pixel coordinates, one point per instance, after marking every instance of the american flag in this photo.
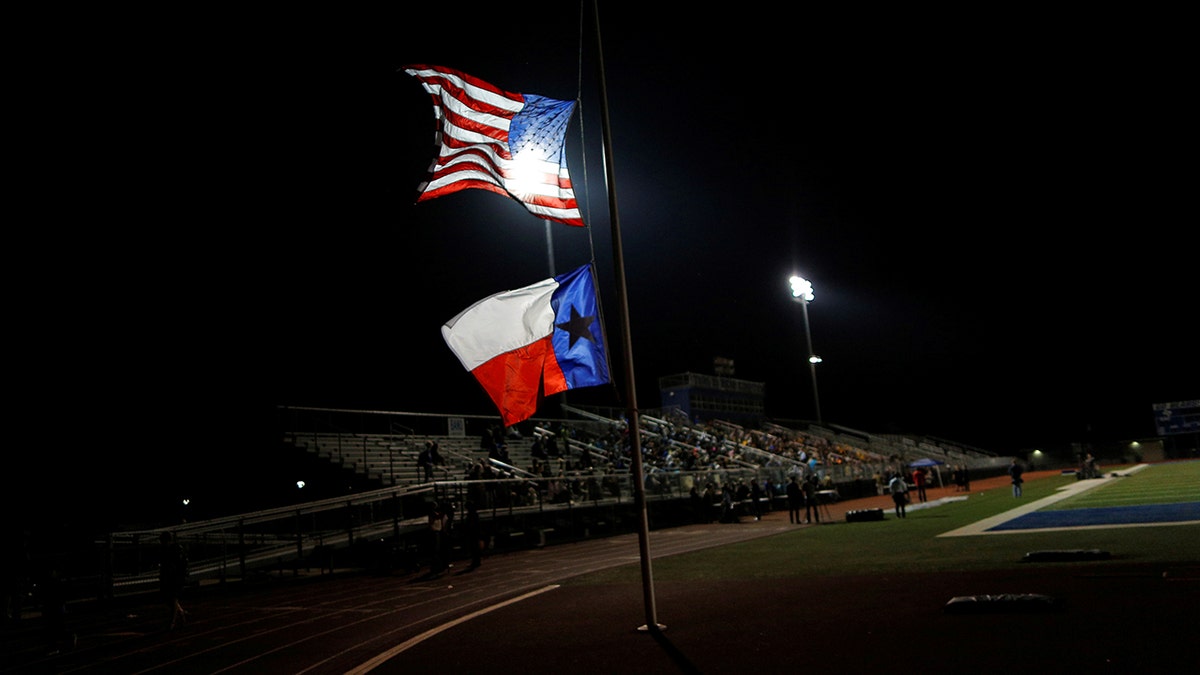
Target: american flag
(491, 139)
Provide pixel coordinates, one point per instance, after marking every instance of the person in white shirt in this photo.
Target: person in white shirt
(899, 490)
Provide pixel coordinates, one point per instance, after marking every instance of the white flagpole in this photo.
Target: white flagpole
(639, 485)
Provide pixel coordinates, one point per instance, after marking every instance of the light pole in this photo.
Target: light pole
(802, 292)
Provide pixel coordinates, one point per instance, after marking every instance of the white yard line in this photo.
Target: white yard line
(982, 526)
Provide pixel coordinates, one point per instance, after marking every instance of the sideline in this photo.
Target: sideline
(985, 526)
(379, 659)
(936, 502)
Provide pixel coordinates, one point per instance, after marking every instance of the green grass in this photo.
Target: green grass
(1156, 484)
(912, 544)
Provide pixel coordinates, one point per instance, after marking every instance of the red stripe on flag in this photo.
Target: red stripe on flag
(479, 127)
(463, 184)
(511, 379)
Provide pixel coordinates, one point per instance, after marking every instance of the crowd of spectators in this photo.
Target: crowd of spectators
(570, 463)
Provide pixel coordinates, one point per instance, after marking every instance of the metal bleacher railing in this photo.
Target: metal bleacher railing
(386, 525)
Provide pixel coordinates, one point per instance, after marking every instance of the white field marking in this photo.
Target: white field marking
(412, 642)
(982, 526)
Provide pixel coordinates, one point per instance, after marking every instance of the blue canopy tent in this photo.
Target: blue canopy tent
(926, 463)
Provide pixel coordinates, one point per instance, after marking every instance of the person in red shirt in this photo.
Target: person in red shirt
(918, 476)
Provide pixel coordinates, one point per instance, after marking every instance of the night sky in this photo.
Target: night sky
(990, 205)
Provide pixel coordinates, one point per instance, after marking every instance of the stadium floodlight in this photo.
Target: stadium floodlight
(802, 292)
(801, 289)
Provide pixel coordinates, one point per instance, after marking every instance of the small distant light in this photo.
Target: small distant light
(186, 501)
(814, 359)
(300, 484)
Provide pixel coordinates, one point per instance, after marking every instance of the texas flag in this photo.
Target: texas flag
(548, 333)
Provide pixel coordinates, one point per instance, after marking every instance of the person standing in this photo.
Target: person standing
(728, 514)
(438, 520)
(537, 453)
(1016, 471)
(429, 459)
(425, 462)
(710, 501)
(172, 575)
(812, 510)
(795, 497)
(756, 498)
(899, 490)
(919, 482)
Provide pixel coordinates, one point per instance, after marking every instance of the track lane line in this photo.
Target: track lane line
(381, 658)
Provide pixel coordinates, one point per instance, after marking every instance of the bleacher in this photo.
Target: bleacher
(388, 459)
(380, 518)
(840, 455)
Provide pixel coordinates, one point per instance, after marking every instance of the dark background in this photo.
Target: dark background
(217, 218)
